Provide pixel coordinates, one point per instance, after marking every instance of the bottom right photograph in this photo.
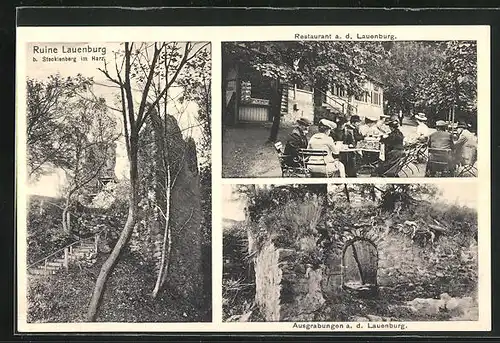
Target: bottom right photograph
(350, 252)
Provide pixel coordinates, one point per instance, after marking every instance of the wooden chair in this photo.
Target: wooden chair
(439, 163)
(287, 170)
(468, 170)
(305, 155)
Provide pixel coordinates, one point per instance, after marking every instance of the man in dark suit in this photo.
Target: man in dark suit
(297, 140)
(351, 132)
(440, 160)
(441, 139)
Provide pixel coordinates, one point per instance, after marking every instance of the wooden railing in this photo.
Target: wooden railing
(340, 103)
(68, 250)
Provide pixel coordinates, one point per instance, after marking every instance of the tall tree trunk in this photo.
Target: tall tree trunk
(275, 109)
(65, 222)
(167, 238)
(124, 236)
(273, 136)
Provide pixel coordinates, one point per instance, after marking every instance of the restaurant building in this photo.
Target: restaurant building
(248, 96)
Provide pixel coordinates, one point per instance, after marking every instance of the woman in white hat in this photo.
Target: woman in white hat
(323, 141)
(371, 126)
(422, 128)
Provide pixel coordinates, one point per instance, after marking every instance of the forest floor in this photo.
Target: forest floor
(64, 297)
(421, 303)
(246, 153)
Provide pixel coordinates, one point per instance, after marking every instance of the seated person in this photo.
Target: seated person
(323, 141)
(465, 146)
(296, 140)
(351, 131)
(370, 128)
(394, 150)
(338, 133)
(440, 139)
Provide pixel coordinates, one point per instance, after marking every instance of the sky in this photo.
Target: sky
(50, 184)
(464, 195)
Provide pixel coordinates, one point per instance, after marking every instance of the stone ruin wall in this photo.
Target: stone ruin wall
(286, 290)
(289, 290)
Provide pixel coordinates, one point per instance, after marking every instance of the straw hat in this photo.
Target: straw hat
(421, 116)
(328, 123)
(372, 117)
(440, 123)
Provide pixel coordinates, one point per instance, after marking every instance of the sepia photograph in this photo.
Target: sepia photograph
(377, 253)
(118, 182)
(349, 109)
(341, 176)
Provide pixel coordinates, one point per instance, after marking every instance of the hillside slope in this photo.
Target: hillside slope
(126, 298)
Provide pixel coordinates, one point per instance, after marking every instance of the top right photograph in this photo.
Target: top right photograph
(349, 109)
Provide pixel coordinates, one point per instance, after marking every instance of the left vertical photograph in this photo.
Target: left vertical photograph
(116, 167)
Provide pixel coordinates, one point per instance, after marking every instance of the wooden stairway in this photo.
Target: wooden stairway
(61, 258)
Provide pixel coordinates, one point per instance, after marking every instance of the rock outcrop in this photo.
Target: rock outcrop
(184, 273)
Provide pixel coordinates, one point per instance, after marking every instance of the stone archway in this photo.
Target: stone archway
(335, 272)
(359, 265)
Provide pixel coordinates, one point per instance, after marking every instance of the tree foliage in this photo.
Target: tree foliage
(432, 77)
(406, 69)
(317, 64)
(453, 83)
(91, 133)
(49, 104)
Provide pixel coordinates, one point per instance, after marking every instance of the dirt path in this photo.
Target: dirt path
(245, 152)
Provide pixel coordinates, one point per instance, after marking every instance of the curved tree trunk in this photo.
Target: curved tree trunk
(122, 241)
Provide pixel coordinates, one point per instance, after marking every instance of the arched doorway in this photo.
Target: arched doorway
(359, 266)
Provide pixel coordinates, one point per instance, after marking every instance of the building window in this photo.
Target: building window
(376, 98)
(339, 91)
(362, 97)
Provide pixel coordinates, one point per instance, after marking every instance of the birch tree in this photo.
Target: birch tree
(135, 71)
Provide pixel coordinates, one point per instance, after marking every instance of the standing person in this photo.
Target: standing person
(465, 146)
(297, 140)
(351, 138)
(394, 150)
(423, 131)
(400, 115)
(323, 141)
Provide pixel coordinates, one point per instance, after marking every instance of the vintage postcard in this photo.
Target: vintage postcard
(346, 175)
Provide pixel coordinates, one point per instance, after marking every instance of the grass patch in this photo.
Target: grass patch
(64, 297)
